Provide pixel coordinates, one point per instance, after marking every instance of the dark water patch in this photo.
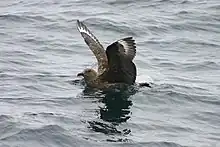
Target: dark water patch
(116, 107)
(183, 12)
(114, 133)
(186, 2)
(103, 128)
(208, 100)
(77, 82)
(122, 2)
(45, 114)
(118, 140)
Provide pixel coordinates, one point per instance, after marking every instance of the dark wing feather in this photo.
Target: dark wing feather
(121, 68)
(94, 46)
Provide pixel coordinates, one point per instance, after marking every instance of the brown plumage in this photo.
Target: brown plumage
(115, 65)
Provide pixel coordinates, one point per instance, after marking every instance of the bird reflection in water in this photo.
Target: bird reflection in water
(115, 111)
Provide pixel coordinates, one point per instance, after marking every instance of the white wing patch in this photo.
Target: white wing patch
(124, 43)
(83, 29)
(128, 47)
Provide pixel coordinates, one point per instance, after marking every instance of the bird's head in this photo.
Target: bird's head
(88, 74)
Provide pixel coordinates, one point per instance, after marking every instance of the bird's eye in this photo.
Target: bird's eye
(89, 70)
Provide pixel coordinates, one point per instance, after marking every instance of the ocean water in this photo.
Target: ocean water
(44, 104)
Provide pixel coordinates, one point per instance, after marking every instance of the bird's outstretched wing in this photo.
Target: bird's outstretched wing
(127, 46)
(94, 46)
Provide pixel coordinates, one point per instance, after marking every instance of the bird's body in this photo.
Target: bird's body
(115, 65)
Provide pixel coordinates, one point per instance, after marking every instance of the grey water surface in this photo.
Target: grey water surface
(44, 104)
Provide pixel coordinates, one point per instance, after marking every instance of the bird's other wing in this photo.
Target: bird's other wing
(128, 46)
(121, 67)
(94, 46)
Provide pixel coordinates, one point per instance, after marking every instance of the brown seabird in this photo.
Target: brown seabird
(115, 65)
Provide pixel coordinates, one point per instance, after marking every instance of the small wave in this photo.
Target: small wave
(23, 18)
(209, 25)
(183, 12)
(50, 135)
(152, 144)
(32, 88)
(30, 133)
(176, 95)
(205, 65)
(39, 18)
(4, 118)
(118, 140)
(208, 101)
(184, 94)
(216, 7)
(11, 17)
(168, 64)
(186, 2)
(201, 43)
(106, 24)
(122, 2)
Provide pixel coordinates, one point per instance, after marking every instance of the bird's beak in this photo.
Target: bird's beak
(80, 74)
